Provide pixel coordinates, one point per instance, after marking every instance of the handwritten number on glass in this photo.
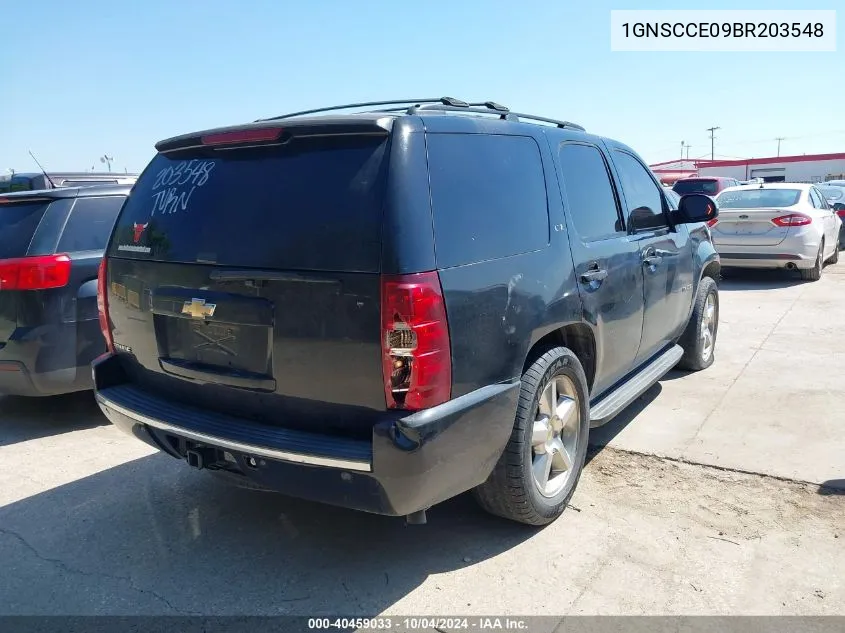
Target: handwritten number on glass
(174, 185)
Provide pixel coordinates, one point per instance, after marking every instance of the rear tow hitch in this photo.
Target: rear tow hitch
(200, 457)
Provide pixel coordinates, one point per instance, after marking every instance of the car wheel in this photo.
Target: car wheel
(814, 273)
(699, 339)
(540, 466)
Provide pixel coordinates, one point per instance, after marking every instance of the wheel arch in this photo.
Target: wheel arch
(578, 338)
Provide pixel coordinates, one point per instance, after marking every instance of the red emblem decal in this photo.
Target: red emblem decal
(138, 229)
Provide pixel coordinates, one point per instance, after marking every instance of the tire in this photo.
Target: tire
(698, 354)
(814, 273)
(512, 491)
(834, 259)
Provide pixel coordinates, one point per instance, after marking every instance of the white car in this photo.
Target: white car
(776, 225)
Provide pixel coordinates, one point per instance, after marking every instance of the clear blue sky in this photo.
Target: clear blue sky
(82, 78)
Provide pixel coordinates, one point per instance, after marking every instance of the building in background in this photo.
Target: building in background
(805, 168)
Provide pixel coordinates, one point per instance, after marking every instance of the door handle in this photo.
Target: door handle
(652, 260)
(593, 274)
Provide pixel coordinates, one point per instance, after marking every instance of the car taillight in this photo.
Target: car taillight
(792, 219)
(841, 213)
(238, 137)
(103, 306)
(34, 273)
(713, 222)
(416, 353)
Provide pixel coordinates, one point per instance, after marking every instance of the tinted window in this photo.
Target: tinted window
(642, 195)
(758, 198)
(488, 195)
(17, 226)
(21, 183)
(313, 204)
(696, 185)
(90, 224)
(589, 192)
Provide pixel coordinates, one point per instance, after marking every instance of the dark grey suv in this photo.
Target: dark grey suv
(384, 309)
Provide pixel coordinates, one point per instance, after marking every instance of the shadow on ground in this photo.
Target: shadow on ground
(832, 487)
(153, 537)
(745, 279)
(23, 419)
(603, 435)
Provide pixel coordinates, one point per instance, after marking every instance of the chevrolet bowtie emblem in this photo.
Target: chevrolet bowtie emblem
(198, 308)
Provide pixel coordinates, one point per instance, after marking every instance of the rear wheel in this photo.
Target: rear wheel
(814, 273)
(699, 339)
(539, 469)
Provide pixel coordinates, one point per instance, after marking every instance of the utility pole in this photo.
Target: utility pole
(682, 150)
(105, 158)
(712, 139)
(779, 139)
(688, 146)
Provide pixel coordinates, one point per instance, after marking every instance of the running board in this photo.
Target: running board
(613, 403)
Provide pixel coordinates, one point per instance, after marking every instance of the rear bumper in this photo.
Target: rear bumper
(37, 365)
(798, 251)
(409, 464)
(767, 260)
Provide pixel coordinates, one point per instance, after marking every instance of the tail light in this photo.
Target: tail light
(416, 353)
(238, 137)
(35, 273)
(103, 306)
(712, 222)
(841, 213)
(792, 219)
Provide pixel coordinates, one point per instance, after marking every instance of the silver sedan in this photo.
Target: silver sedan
(776, 225)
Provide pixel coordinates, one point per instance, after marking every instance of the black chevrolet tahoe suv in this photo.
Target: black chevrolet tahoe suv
(51, 246)
(382, 309)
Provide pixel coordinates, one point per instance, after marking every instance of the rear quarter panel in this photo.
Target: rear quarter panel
(498, 309)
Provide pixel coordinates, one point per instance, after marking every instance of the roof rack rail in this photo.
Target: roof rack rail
(449, 101)
(492, 107)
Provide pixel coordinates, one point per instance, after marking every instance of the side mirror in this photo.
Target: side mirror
(696, 207)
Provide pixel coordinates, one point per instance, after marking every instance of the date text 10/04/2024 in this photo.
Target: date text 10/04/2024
(419, 623)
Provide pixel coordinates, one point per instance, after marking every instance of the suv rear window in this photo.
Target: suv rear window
(313, 204)
(686, 187)
(18, 222)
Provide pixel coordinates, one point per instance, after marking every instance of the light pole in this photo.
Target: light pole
(712, 140)
(105, 158)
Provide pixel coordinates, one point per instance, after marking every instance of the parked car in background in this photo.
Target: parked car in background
(707, 186)
(776, 225)
(385, 339)
(38, 181)
(51, 244)
(835, 196)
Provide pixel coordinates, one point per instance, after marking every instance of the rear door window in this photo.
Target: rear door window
(18, 222)
(589, 192)
(90, 224)
(313, 204)
(488, 196)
